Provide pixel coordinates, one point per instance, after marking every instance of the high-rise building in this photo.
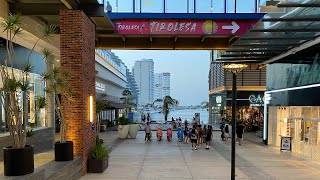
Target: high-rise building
(161, 85)
(143, 72)
(132, 86)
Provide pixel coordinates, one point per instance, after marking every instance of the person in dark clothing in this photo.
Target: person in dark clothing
(208, 137)
(222, 131)
(226, 132)
(193, 137)
(239, 131)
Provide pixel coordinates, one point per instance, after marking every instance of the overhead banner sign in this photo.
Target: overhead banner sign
(198, 27)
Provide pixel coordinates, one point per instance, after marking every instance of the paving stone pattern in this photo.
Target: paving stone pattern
(134, 159)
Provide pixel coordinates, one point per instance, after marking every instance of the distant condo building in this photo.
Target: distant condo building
(133, 87)
(143, 72)
(161, 85)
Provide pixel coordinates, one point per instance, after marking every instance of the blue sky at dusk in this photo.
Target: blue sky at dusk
(189, 71)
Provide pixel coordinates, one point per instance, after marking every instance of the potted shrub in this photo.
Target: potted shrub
(123, 127)
(18, 158)
(57, 82)
(133, 130)
(99, 159)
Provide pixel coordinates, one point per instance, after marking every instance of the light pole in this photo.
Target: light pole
(234, 68)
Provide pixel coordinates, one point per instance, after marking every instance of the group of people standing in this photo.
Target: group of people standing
(225, 135)
(198, 136)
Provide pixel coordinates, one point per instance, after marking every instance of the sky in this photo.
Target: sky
(189, 71)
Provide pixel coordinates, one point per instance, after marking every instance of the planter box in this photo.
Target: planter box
(123, 131)
(98, 166)
(133, 130)
(18, 162)
(63, 151)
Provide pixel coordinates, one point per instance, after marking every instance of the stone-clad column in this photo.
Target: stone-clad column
(77, 48)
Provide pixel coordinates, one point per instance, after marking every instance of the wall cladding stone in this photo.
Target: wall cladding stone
(42, 141)
(77, 48)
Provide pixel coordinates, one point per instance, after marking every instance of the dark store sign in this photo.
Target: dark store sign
(256, 100)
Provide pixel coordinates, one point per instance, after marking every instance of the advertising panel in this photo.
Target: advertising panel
(190, 27)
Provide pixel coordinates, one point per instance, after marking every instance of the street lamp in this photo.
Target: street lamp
(234, 68)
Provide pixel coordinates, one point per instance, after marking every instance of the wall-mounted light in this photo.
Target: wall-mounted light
(91, 109)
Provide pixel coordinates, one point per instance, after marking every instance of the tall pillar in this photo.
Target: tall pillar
(77, 48)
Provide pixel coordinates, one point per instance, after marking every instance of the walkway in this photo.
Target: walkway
(135, 159)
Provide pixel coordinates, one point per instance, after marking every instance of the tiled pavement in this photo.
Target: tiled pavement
(135, 159)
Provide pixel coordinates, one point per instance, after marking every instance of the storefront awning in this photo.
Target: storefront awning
(288, 34)
(115, 105)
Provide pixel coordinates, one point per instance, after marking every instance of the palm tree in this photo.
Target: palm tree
(204, 104)
(157, 100)
(167, 102)
(127, 99)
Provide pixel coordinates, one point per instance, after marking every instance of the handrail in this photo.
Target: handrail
(183, 6)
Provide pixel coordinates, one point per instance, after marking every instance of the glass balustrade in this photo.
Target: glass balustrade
(184, 6)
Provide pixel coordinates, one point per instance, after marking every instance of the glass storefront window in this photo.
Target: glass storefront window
(36, 116)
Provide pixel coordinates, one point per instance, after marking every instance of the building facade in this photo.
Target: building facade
(111, 79)
(251, 84)
(133, 87)
(293, 107)
(143, 72)
(161, 85)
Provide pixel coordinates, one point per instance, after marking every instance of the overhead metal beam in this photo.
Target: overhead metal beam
(42, 9)
(238, 59)
(93, 10)
(286, 30)
(311, 5)
(162, 43)
(293, 50)
(248, 50)
(247, 55)
(291, 19)
(263, 45)
(70, 4)
(36, 9)
(276, 38)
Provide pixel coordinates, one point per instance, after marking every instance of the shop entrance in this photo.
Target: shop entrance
(305, 135)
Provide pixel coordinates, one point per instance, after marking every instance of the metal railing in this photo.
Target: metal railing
(184, 6)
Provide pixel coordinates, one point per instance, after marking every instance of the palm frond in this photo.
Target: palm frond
(46, 53)
(49, 30)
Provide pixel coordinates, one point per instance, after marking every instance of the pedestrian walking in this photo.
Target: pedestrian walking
(222, 129)
(147, 131)
(199, 136)
(186, 135)
(204, 134)
(208, 137)
(193, 137)
(239, 131)
(226, 132)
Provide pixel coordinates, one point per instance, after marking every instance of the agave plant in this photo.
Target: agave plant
(16, 84)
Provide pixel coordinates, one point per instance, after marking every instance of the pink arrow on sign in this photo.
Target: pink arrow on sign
(235, 27)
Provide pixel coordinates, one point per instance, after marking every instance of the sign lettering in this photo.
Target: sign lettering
(200, 27)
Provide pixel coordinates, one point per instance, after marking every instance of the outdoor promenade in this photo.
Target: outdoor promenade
(133, 159)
